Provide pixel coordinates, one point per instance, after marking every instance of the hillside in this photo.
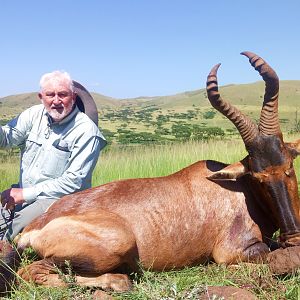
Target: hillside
(165, 115)
(242, 94)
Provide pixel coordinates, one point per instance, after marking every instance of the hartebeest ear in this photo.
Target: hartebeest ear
(294, 148)
(231, 172)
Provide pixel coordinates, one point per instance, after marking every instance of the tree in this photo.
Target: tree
(181, 131)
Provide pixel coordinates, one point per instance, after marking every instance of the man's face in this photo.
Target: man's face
(58, 99)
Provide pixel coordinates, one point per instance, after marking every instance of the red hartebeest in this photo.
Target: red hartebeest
(208, 210)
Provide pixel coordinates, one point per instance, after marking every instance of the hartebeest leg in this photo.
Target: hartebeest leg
(44, 273)
(93, 244)
(241, 242)
(256, 252)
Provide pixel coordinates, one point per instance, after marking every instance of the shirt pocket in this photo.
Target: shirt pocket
(55, 162)
(32, 147)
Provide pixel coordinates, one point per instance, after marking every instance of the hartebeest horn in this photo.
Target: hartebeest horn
(245, 126)
(269, 122)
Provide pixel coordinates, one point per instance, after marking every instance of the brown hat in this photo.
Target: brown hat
(85, 102)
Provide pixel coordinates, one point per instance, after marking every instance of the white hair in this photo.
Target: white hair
(56, 76)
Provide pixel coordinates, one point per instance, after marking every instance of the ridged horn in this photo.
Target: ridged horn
(248, 130)
(269, 122)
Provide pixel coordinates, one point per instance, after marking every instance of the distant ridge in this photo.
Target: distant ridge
(238, 94)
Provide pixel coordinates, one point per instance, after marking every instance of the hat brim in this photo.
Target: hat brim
(85, 102)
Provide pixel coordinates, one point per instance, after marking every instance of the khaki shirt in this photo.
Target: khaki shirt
(56, 158)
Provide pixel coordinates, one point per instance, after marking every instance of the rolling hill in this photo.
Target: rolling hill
(243, 94)
(145, 114)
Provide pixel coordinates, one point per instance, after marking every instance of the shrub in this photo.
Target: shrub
(130, 137)
(209, 114)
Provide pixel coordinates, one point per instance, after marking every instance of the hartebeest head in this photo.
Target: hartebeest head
(270, 160)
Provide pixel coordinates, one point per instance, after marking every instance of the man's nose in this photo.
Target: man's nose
(56, 99)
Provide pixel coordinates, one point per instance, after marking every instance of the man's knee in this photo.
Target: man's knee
(25, 215)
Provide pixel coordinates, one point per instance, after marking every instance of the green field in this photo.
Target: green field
(119, 162)
(183, 116)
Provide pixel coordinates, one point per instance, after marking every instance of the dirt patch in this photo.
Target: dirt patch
(283, 261)
(226, 292)
(101, 295)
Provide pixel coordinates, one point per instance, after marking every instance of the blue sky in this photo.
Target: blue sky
(123, 48)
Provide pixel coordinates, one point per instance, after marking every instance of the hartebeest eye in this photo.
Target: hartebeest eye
(260, 176)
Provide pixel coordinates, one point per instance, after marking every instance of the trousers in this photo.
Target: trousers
(13, 222)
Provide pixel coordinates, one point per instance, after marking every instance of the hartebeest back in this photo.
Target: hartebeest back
(206, 211)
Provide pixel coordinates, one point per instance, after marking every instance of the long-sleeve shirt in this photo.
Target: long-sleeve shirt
(57, 158)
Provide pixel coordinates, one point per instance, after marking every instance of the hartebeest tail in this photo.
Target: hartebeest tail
(206, 211)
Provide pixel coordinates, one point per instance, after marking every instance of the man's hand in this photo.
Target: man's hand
(11, 197)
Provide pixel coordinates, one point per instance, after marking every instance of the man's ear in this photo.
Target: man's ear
(40, 96)
(231, 172)
(74, 96)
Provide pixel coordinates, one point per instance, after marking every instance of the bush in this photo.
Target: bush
(206, 133)
(109, 135)
(209, 114)
(182, 131)
(137, 137)
(162, 131)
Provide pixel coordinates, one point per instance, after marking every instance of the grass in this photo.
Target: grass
(158, 160)
(118, 162)
(181, 285)
(190, 282)
(9, 169)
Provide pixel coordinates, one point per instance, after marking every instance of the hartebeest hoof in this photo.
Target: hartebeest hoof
(40, 272)
(5, 248)
(108, 281)
(257, 253)
(283, 261)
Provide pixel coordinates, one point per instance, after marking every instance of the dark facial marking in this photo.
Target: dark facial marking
(266, 151)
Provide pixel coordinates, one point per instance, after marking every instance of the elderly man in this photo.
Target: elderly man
(60, 145)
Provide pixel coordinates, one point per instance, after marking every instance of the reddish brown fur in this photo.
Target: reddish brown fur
(205, 211)
(167, 222)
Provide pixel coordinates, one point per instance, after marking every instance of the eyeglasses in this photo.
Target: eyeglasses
(61, 95)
